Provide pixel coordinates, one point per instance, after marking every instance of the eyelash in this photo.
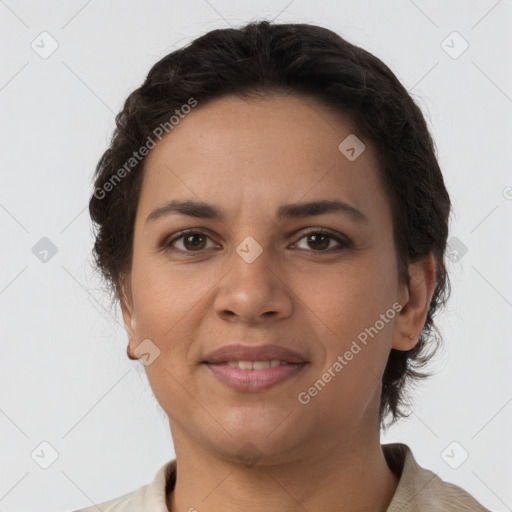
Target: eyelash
(344, 243)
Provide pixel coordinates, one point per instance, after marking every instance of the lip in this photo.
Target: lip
(254, 380)
(240, 352)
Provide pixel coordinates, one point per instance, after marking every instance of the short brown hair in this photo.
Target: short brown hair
(298, 59)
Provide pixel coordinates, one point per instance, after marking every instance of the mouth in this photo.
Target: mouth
(260, 354)
(254, 376)
(254, 365)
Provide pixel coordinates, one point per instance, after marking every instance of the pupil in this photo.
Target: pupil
(324, 237)
(190, 238)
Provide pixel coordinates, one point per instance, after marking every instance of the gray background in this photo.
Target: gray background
(64, 376)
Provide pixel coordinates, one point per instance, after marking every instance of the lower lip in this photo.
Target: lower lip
(254, 380)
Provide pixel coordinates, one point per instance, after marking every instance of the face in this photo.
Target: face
(312, 283)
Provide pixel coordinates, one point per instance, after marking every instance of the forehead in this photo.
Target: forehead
(258, 153)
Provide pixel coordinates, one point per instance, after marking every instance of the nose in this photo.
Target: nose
(254, 291)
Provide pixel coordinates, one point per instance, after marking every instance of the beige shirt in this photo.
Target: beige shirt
(419, 490)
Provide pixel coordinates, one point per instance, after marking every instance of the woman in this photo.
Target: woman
(272, 218)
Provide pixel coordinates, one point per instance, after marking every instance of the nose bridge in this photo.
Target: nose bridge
(252, 262)
(253, 287)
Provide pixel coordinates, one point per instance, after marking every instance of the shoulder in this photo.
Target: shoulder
(151, 496)
(125, 503)
(420, 489)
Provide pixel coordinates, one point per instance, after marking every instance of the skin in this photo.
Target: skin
(248, 158)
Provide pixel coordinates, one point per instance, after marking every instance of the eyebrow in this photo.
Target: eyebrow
(202, 210)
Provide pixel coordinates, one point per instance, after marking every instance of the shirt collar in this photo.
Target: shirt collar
(413, 479)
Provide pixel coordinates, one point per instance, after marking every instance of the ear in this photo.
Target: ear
(126, 301)
(416, 297)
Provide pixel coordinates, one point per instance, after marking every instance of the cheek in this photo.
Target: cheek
(345, 307)
(355, 342)
(163, 293)
(348, 297)
(171, 303)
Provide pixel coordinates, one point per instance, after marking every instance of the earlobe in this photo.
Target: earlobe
(413, 314)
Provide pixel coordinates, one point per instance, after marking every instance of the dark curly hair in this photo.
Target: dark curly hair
(312, 62)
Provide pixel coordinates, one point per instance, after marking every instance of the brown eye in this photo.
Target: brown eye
(320, 241)
(191, 241)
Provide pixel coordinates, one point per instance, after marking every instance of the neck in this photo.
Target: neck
(351, 475)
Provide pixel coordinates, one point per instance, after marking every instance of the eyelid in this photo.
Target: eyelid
(165, 245)
(342, 240)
